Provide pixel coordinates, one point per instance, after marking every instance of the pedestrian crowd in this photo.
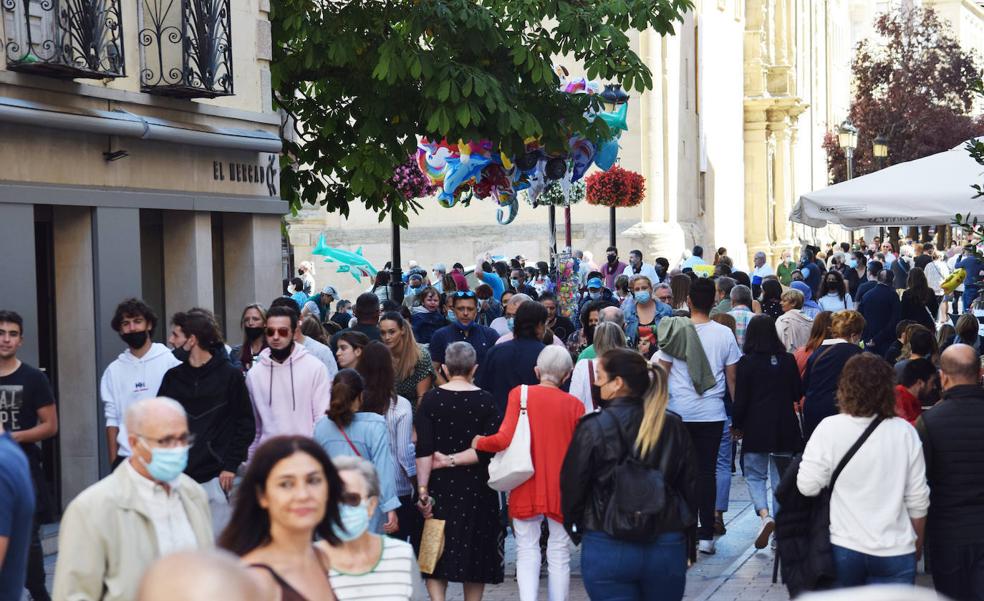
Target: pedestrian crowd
(382, 449)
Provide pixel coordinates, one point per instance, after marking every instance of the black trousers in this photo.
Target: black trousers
(411, 522)
(35, 583)
(958, 570)
(706, 437)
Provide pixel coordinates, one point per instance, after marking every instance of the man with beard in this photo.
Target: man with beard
(135, 375)
(918, 387)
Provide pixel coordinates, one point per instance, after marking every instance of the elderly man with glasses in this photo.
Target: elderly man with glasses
(146, 509)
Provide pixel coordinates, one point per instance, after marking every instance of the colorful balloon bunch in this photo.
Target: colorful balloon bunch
(476, 169)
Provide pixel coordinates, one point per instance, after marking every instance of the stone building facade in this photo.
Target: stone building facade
(131, 164)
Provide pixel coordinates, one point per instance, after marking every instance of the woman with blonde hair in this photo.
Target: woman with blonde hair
(620, 461)
(825, 365)
(607, 336)
(411, 362)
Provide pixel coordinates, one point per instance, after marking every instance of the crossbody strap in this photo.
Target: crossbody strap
(591, 381)
(854, 449)
(523, 392)
(348, 440)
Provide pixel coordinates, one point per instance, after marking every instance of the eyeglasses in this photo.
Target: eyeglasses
(464, 294)
(169, 442)
(352, 499)
(282, 332)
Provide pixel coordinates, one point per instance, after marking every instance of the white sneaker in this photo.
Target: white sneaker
(706, 547)
(765, 531)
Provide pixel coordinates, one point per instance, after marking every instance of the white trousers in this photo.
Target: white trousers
(528, 559)
(218, 504)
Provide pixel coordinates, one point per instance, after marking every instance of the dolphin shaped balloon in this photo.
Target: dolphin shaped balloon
(351, 262)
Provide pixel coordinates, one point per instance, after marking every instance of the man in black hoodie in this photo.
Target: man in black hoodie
(220, 415)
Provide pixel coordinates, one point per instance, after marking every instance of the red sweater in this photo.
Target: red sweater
(553, 415)
(907, 406)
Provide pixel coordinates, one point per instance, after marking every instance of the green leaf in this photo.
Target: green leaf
(464, 115)
(444, 90)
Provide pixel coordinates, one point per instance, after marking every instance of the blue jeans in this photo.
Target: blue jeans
(859, 569)
(723, 471)
(615, 570)
(758, 468)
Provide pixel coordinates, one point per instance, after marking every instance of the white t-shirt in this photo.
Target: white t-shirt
(721, 349)
(647, 270)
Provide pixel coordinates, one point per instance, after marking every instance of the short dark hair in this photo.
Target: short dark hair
(12, 317)
(902, 326)
(298, 284)
(460, 266)
(761, 337)
(845, 246)
(286, 301)
(917, 370)
(284, 311)
(664, 262)
(921, 341)
(366, 305)
(725, 284)
(133, 307)
(201, 324)
(875, 267)
(548, 296)
(529, 315)
(698, 251)
(612, 248)
(635, 252)
(702, 295)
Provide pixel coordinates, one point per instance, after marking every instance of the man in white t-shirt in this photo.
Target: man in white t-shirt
(637, 266)
(704, 414)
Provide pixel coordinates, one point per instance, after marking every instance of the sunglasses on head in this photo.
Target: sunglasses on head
(282, 332)
(464, 294)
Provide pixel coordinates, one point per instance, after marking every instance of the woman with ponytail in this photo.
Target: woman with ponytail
(633, 548)
(345, 430)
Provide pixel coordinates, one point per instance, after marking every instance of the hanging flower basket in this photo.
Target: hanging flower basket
(410, 182)
(616, 188)
(554, 195)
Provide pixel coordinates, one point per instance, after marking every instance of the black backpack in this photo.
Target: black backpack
(803, 528)
(638, 495)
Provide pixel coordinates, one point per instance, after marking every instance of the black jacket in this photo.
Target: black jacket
(881, 309)
(823, 370)
(220, 415)
(765, 390)
(587, 477)
(922, 313)
(954, 451)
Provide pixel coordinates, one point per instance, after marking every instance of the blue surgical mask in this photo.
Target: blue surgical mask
(450, 315)
(853, 263)
(642, 296)
(355, 521)
(510, 322)
(416, 289)
(514, 283)
(594, 295)
(166, 465)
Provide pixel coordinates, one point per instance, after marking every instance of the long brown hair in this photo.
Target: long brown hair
(680, 285)
(407, 353)
(820, 330)
(376, 367)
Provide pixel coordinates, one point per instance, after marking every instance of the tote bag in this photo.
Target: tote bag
(510, 468)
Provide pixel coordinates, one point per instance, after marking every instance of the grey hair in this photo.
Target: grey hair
(726, 284)
(518, 299)
(608, 336)
(661, 286)
(741, 295)
(554, 363)
(613, 315)
(459, 358)
(760, 255)
(345, 463)
(135, 413)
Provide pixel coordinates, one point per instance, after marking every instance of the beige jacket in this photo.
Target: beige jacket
(106, 540)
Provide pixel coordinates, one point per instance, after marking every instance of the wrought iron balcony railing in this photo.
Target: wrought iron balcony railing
(186, 48)
(64, 38)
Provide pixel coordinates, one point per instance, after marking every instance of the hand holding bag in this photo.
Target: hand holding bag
(431, 545)
(510, 468)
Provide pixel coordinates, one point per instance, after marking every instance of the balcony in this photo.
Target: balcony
(64, 38)
(186, 48)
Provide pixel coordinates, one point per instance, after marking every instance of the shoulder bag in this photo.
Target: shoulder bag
(803, 527)
(510, 468)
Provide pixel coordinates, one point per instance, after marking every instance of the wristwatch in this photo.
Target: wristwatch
(451, 457)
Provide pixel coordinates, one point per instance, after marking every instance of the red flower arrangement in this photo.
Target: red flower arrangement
(616, 187)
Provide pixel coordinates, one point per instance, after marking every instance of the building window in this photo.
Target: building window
(64, 38)
(186, 48)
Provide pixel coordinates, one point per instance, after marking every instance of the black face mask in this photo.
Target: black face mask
(300, 272)
(181, 354)
(253, 333)
(134, 340)
(281, 355)
(589, 334)
(612, 258)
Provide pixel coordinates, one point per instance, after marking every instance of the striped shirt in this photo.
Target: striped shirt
(742, 316)
(395, 577)
(399, 422)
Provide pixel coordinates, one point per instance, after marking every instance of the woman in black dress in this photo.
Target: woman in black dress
(447, 419)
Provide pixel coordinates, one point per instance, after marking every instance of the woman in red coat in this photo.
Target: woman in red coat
(553, 415)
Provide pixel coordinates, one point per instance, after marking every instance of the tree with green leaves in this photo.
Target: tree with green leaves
(360, 79)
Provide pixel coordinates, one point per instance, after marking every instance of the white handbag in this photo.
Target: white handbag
(510, 468)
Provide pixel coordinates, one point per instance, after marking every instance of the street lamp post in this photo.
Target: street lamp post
(879, 148)
(612, 96)
(847, 137)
